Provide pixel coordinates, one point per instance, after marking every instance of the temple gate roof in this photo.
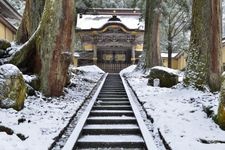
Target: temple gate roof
(96, 20)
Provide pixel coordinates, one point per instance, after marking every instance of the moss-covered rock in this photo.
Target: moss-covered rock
(220, 118)
(4, 44)
(168, 77)
(12, 87)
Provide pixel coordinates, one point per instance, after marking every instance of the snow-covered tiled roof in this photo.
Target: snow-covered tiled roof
(9, 16)
(165, 55)
(97, 21)
(76, 54)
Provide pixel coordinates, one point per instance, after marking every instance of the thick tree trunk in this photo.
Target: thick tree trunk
(31, 18)
(51, 46)
(221, 110)
(151, 36)
(170, 50)
(215, 65)
(215, 53)
(204, 58)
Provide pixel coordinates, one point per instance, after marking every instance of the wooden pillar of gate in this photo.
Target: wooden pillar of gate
(133, 55)
(95, 54)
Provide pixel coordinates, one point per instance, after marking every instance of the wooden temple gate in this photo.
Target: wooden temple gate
(112, 68)
(113, 61)
(113, 46)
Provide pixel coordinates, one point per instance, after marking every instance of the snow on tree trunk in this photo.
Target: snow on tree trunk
(31, 18)
(151, 36)
(204, 56)
(48, 51)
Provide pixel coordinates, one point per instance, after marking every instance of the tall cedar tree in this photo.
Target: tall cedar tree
(204, 64)
(31, 18)
(151, 36)
(48, 51)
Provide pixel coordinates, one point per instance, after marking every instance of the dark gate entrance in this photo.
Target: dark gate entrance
(113, 61)
(112, 68)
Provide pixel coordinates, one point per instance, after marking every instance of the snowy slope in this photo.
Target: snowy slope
(178, 114)
(43, 118)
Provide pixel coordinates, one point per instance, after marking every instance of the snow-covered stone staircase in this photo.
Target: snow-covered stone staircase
(111, 122)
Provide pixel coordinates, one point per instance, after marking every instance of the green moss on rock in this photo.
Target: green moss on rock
(220, 117)
(168, 77)
(12, 87)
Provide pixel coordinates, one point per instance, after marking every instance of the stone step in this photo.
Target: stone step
(112, 99)
(111, 113)
(114, 84)
(115, 148)
(112, 107)
(113, 87)
(111, 96)
(111, 120)
(111, 141)
(99, 102)
(110, 129)
(114, 93)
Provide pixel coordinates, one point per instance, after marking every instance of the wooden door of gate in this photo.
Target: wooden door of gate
(113, 67)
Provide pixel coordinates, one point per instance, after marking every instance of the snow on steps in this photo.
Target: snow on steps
(111, 113)
(111, 122)
(112, 107)
(95, 141)
(112, 129)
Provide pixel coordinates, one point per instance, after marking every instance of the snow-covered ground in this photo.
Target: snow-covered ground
(42, 118)
(178, 114)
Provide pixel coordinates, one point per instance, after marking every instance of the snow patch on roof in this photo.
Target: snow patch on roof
(97, 21)
(14, 22)
(76, 54)
(165, 55)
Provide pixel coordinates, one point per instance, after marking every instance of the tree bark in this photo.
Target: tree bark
(50, 46)
(204, 64)
(215, 64)
(31, 18)
(170, 51)
(220, 117)
(151, 36)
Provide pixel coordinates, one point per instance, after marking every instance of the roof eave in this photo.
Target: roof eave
(110, 24)
(12, 9)
(8, 24)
